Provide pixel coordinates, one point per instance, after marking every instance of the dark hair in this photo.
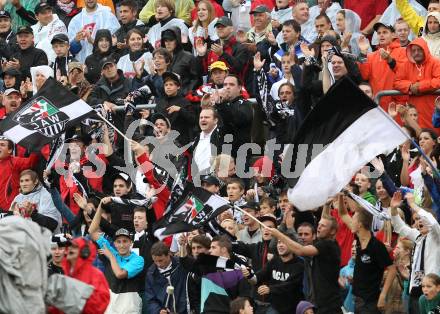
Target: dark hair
(237, 181)
(307, 225)
(202, 240)
(164, 53)
(433, 1)
(159, 249)
(239, 82)
(365, 219)
(294, 24)
(129, 3)
(324, 16)
(269, 201)
(223, 241)
(134, 31)
(288, 84)
(432, 133)
(237, 305)
(411, 130)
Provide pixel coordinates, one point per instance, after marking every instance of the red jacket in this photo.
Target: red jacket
(427, 75)
(219, 12)
(68, 187)
(10, 169)
(377, 71)
(87, 273)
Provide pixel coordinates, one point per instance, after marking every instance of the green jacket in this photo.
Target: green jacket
(17, 21)
(370, 198)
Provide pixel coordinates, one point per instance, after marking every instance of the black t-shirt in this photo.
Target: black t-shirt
(368, 270)
(325, 274)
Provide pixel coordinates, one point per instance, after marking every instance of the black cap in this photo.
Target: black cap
(123, 232)
(251, 205)
(62, 38)
(224, 20)
(268, 217)
(85, 139)
(12, 72)
(379, 24)
(168, 34)
(4, 13)
(260, 9)
(171, 76)
(210, 179)
(123, 176)
(158, 116)
(25, 30)
(106, 61)
(41, 7)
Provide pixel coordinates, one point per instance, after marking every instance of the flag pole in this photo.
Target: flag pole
(114, 127)
(250, 216)
(434, 169)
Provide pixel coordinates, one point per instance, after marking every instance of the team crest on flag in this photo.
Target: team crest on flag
(42, 116)
(195, 206)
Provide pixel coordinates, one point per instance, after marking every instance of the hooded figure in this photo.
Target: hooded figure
(84, 271)
(417, 77)
(303, 306)
(353, 26)
(93, 72)
(183, 62)
(37, 74)
(44, 206)
(432, 37)
(13, 73)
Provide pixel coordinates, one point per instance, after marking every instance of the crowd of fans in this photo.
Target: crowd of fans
(223, 74)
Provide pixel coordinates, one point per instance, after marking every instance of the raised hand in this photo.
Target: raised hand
(392, 110)
(258, 63)
(363, 44)
(201, 47)
(396, 200)
(378, 165)
(306, 50)
(404, 150)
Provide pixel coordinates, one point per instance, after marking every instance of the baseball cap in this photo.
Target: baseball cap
(86, 139)
(251, 205)
(74, 65)
(168, 34)
(218, 65)
(62, 38)
(41, 7)
(4, 13)
(158, 116)
(25, 30)
(224, 20)
(210, 179)
(123, 232)
(171, 76)
(380, 24)
(107, 60)
(10, 91)
(260, 9)
(124, 177)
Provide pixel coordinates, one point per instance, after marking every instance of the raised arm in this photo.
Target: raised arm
(295, 247)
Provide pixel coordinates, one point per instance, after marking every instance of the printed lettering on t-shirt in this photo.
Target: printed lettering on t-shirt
(89, 28)
(277, 275)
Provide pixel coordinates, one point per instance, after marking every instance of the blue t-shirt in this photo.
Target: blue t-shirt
(132, 263)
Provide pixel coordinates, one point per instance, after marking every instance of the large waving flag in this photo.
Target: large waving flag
(45, 116)
(344, 131)
(194, 210)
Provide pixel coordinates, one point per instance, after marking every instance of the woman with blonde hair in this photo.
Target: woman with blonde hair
(203, 27)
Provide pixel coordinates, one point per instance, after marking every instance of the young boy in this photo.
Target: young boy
(176, 108)
(61, 46)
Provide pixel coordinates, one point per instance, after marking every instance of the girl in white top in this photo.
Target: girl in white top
(137, 55)
(203, 27)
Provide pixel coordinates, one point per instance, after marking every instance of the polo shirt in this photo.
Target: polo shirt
(132, 263)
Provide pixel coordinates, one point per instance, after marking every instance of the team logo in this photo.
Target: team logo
(42, 116)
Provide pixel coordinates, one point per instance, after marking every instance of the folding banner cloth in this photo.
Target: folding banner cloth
(344, 131)
(45, 116)
(196, 209)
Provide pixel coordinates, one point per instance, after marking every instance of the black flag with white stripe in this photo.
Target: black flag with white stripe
(45, 116)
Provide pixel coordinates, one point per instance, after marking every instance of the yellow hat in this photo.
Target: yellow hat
(218, 65)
